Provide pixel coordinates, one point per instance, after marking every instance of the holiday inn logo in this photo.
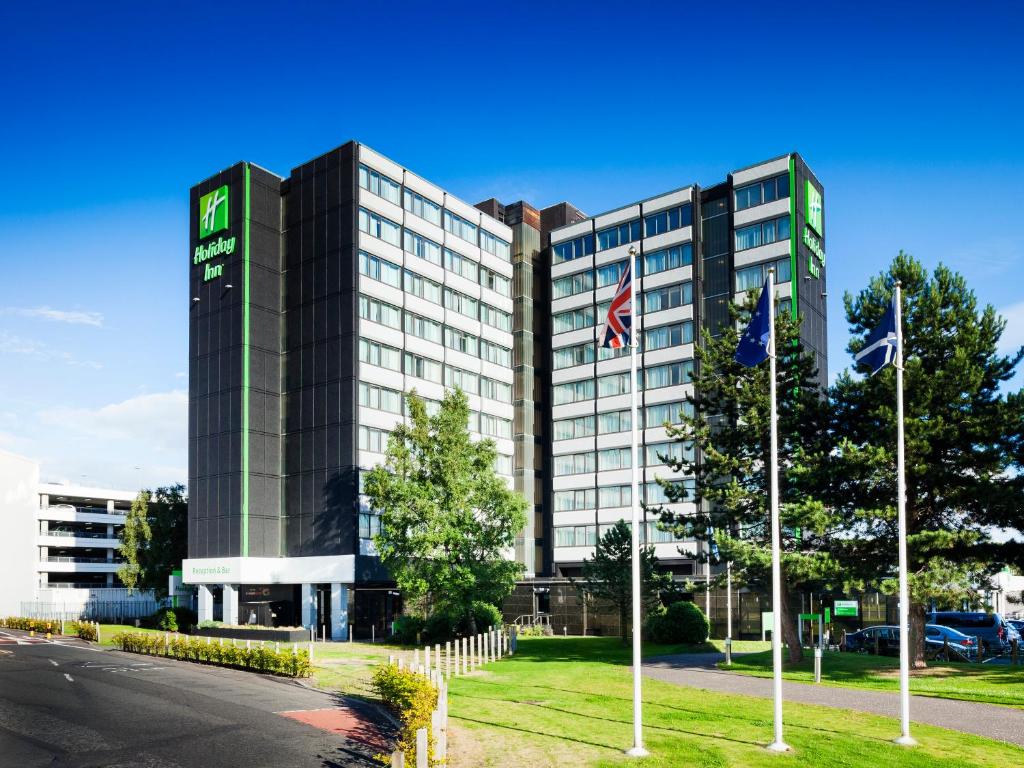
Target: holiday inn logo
(814, 212)
(213, 212)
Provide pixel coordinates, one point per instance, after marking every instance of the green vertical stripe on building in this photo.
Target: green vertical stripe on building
(245, 377)
(792, 235)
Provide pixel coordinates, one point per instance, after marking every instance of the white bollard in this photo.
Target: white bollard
(247, 646)
(277, 647)
(465, 655)
(398, 759)
(437, 658)
(448, 659)
(310, 653)
(426, 659)
(416, 658)
(401, 663)
(421, 748)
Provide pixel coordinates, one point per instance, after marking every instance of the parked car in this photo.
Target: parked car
(992, 630)
(937, 638)
(1017, 624)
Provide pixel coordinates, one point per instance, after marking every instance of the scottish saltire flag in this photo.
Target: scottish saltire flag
(618, 328)
(753, 346)
(880, 348)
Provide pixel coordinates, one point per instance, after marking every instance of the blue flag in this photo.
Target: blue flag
(753, 347)
(880, 348)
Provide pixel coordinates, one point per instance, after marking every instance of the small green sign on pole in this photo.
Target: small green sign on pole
(845, 607)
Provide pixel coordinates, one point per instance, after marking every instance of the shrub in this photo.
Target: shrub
(535, 630)
(413, 699)
(168, 621)
(408, 629)
(440, 627)
(30, 625)
(486, 616)
(84, 629)
(683, 623)
(288, 662)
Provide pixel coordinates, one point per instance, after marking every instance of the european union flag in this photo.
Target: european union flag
(753, 347)
(880, 347)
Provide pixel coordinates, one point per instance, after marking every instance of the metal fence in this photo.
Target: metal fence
(107, 611)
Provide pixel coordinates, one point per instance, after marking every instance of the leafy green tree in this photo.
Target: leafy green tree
(964, 441)
(447, 520)
(609, 575)
(726, 440)
(154, 539)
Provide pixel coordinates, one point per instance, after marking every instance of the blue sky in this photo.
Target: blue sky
(911, 116)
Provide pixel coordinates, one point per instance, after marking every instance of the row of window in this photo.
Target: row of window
(609, 274)
(654, 377)
(378, 184)
(619, 421)
(386, 356)
(581, 499)
(384, 271)
(760, 192)
(654, 301)
(376, 440)
(627, 232)
(607, 459)
(762, 233)
(750, 278)
(587, 535)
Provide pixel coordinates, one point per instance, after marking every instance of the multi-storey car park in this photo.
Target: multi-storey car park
(318, 299)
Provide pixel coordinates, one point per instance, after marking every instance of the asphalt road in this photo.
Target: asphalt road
(74, 705)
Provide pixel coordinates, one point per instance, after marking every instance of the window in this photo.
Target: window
(503, 464)
(656, 415)
(615, 421)
(655, 535)
(495, 282)
(609, 353)
(613, 384)
(381, 398)
(380, 269)
(762, 233)
(423, 247)
(495, 426)
(579, 354)
(573, 249)
(655, 492)
(495, 318)
(376, 225)
(750, 278)
(373, 440)
(464, 380)
(369, 525)
(568, 429)
(667, 220)
(575, 500)
(573, 320)
(668, 375)
(459, 227)
(656, 453)
(461, 341)
(574, 463)
(759, 192)
(620, 234)
(495, 353)
(614, 496)
(668, 258)
(422, 368)
(423, 287)
(423, 327)
(379, 184)
(380, 312)
(668, 336)
(461, 265)
(609, 274)
(573, 391)
(381, 355)
(458, 302)
(495, 246)
(669, 297)
(612, 458)
(418, 205)
(495, 390)
(570, 285)
(576, 536)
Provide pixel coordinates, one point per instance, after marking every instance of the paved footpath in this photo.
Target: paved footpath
(698, 671)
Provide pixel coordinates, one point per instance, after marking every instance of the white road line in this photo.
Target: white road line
(69, 678)
(53, 662)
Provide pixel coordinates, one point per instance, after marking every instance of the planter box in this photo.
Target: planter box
(269, 634)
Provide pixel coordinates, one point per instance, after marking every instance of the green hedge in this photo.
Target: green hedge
(30, 625)
(84, 629)
(208, 651)
(413, 698)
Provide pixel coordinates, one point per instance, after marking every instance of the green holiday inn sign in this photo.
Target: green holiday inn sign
(214, 216)
(814, 227)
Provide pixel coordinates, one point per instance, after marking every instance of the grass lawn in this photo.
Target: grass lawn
(107, 632)
(971, 682)
(567, 701)
(346, 667)
(710, 646)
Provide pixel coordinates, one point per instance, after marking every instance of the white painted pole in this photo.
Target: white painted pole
(728, 599)
(905, 738)
(778, 745)
(634, 336)
(707, 590)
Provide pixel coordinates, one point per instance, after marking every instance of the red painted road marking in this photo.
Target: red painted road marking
(342, 721)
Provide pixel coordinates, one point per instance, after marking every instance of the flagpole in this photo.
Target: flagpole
(778, 745)
(905, 738)
(634, 340)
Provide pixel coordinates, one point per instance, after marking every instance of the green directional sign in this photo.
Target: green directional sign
(213, 212)
(845, 607)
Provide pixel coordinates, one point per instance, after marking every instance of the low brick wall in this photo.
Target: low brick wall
(269, 634)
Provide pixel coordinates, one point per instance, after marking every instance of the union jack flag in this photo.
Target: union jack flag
(618, 328)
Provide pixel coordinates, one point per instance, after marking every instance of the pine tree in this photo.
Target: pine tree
(728, 424)
(964, 443)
